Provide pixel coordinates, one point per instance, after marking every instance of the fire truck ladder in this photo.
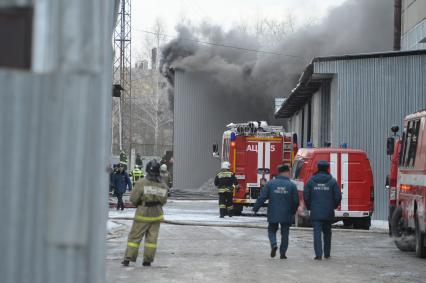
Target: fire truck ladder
(287, 150)
(255, 129)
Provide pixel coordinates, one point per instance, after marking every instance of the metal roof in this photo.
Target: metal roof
(371, 55)
(309, 82)
(305, 88)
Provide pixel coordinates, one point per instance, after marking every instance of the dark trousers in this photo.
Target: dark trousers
(272, 234)
(225, 204)
(120, 203)
(324, 228)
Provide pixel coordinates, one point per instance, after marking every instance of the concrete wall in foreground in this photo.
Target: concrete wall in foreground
(54, 147)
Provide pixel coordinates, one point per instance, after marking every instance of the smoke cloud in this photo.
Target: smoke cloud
(255, 78)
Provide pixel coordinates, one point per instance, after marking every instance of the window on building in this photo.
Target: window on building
(409, 144)
(16, 35)
(401, 155)
(309, 126)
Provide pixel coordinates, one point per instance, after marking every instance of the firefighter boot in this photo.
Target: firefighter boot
(222, 212)
(230, 213)
(125, 262)
(146, 263)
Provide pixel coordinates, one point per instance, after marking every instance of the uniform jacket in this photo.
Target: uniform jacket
(166, 178)
(121, 181)
(224, 180)
(322, 196)
(137, 174)
(149, 197)
(283, 200)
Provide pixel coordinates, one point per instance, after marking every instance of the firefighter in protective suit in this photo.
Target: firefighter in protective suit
(136, 174)
(225, 181)
(149, 195)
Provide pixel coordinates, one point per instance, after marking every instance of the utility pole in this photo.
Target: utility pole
(156, 73)
(122, 68)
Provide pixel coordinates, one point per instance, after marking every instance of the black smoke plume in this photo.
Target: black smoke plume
(357, 26)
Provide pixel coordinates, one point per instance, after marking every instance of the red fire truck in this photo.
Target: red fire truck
(407, 184)
(351, 168)
(254, 150)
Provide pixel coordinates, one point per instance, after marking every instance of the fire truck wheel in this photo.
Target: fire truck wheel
(403, 241)
(420, 242)
(238, 209)
(363, 223)
(347, 223)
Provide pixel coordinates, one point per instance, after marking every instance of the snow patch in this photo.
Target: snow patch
(380, 224)
(128, 212)
(111, 226)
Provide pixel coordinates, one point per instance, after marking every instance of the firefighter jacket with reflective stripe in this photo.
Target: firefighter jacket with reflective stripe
(149, 197)
(136, 174)
(322, 195)
(225, 180)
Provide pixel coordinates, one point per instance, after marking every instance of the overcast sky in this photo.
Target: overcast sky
(222, 12)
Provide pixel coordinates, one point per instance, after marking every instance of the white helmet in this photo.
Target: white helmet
(163, 168)
(225, 165)
(263, 124)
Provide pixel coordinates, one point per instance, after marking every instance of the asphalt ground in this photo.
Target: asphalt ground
(213, 253)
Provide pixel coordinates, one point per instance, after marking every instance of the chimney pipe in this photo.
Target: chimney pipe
(397, 25)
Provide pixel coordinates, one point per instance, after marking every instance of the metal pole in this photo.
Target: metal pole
(120, 128)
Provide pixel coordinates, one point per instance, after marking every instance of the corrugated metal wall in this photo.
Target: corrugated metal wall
(200, 117)
(325, 115)
(411, 40)
(369, 96)
(54, 147)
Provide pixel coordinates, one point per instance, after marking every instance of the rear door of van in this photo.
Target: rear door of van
(357, 177)
(355, 184)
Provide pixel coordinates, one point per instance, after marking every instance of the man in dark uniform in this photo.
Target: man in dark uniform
(225, 181)
(121, 182)
(283, 203)
(322, 196)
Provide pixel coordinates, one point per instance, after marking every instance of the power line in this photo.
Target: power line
(194, 3)
(222, 45)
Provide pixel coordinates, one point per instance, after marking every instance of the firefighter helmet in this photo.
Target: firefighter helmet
(153, 170)
(225, 165)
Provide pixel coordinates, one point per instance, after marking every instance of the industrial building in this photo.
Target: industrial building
(200, 118)
(413, 24)
(354, 100)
